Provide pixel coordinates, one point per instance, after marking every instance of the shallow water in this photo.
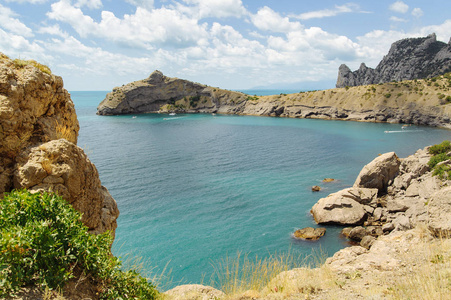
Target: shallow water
(193, 189)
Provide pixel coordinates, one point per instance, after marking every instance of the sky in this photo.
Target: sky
(231, 44)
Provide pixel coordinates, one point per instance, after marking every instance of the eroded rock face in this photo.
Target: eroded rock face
(379, 173)
(38, 133)
(408, 59)
(62, 167)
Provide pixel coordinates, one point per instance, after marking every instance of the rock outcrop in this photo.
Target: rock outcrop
(171, 94)
(309, 233)
(420, 102)
(412, 58)
(405, 194)
(38, 131)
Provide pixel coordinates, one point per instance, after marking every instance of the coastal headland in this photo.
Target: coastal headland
(419, 102)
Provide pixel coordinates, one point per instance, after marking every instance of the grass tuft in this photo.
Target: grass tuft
(21, 63)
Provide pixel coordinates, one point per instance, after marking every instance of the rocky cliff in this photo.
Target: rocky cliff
(159, 92)
(412, 58)
(38, 151)
(422, 102)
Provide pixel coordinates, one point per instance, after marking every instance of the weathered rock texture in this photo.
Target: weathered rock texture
(419, 102)
(412, 58)
(38, 133)
(309, 233)
(405, 194)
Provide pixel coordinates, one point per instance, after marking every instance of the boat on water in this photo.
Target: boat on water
(172, 114)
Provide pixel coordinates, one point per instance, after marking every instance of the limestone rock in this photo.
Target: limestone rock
(193, 292)
(439, 212)
(60, 166)
(357, 233)
(378, 173)
(343, 207)
(411, 58)
(34, 108)
(309, 233)
(367, 241)
(328, 180)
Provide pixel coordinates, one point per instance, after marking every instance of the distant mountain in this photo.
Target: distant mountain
(408, 59)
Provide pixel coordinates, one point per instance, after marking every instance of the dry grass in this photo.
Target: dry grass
(64, 132)
(430, 275)
(260, 276)
(21, 63)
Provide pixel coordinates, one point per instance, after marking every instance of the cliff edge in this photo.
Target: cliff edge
(38, 151)
(408, 59)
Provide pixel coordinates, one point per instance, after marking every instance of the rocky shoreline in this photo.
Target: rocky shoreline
(419, 102)
(398, 209)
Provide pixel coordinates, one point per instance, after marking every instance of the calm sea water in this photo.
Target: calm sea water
(193, 189)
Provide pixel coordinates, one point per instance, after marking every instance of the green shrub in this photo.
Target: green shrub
(387, 95)
(42, 241)
(436, 159)
(443, 147)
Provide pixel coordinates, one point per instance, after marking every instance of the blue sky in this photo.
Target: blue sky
(233, 44)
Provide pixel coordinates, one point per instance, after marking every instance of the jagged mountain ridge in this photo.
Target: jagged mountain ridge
(408, 59)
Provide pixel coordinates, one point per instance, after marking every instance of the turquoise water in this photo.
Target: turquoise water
(193, 189)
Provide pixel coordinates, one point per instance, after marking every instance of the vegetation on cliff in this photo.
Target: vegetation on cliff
(43, 243)
(441, 154)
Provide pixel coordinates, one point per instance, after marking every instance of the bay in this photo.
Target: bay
(194, 189)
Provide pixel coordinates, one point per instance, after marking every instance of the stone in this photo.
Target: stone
(357, 233)
(402, 223)
(340, 208)
(309, 233)
(316, 188)
(328, 180)
(439, 212)
(378, 173)
(193, 292)
(367, 241)
(346, 231)
(408, 59)
(377, 214)
(396, 205)
(388, 227)
(69, 172)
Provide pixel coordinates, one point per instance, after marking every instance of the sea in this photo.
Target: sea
(195, 189)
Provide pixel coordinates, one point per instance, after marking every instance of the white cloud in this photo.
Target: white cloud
(399, 7)
(18, 46)
(396, 19)
(53, 30)
(13, 25)
(142, 29)
(339, 9)
(147, 4)
(94, 4)
(417, 12)
(216, 8)
(268, 20)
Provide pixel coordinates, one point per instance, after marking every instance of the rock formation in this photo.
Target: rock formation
(405, 193)
(419, 102)
(309, 233)
(408, 59)
(151, 94)
(39, 130)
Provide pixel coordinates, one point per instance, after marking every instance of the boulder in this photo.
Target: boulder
(62, 167)
(357, 233)
(344, 207)
(316, 188)
(379, 173)
(193, 292)
(367, 241)
(328, 180)
(439, 212)
(309, 233)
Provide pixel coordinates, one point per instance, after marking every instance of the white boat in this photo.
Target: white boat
(172, 114)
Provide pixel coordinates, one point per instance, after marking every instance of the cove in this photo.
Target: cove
(193, 189)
